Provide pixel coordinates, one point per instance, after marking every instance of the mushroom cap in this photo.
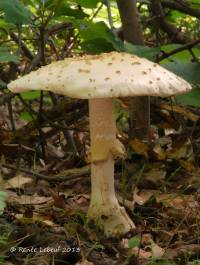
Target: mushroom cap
(114, 74)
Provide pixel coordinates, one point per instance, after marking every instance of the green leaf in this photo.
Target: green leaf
(143, 51)
(87, 3)
(31, 95)
(92, 32)
(134, 242)
(15, 12)
(3, 85)
(173, 15)
(5, 26)
(6, 56)
(195, 4)
(26, 116)
(191, 98)
(65, 10)
(3, 196)
(189, 72)
(196, 262)
(96, 46)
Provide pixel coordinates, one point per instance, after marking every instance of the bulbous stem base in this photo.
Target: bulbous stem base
(104, 208)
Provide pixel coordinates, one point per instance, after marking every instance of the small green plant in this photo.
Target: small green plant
(196, 262)
(134, 242)
(4, 233)
(3, 196)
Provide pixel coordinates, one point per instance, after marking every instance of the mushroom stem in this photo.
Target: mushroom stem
(104, 207)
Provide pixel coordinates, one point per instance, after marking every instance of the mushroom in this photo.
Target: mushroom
(100, 79)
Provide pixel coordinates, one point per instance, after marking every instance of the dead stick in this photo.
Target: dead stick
(67, 175)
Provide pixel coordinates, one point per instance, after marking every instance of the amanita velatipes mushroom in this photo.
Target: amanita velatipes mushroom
(100, 79)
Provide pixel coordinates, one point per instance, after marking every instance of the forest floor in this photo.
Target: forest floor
(47, 189)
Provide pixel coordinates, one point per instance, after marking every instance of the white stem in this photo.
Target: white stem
(104, 207)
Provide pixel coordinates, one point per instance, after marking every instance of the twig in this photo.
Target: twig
(58, 27)
(186, 46)
(176, 229)
(11, 114)
(69, 138)
(67, 175)
(96, 12)
(42, 139)
(110, 15)
(182, 6)
(24, 48)
(172, 31)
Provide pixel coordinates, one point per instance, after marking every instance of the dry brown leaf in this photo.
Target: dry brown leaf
(35, 218)
(48, 222)
(146, 239)
(43, 219)
(135, 250)
(141, 197)
(59, 200)
(34, 199)
(156, 173)
(143, 254)
(181, 110)
(178, 201)
(159, 152)
(17, 182)
(157, 252)
(189, 166)
(139, 147)
(181, 148)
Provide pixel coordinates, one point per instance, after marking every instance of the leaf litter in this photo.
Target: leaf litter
(161, 195)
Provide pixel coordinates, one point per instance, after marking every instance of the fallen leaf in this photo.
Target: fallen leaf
(143, 254)
(35, 218)
(17, 182)
(177, 201)
(59, 200)
(157, 252)
(159, 152)
(34, 199)
(155, 174)
(139, 147)
(186, 113)
(141, 197)
(48, 222)
(181, 148)
(146, 239)
(189, 166)
(135, 250)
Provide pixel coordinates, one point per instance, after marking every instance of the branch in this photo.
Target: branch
(24, 48)
(51, 117)
(110, 15)
(57, 28)
(186, 46)
(173, 33)
(182, 7)
(67, 175)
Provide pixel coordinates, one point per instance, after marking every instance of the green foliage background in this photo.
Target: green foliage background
(87, 30)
